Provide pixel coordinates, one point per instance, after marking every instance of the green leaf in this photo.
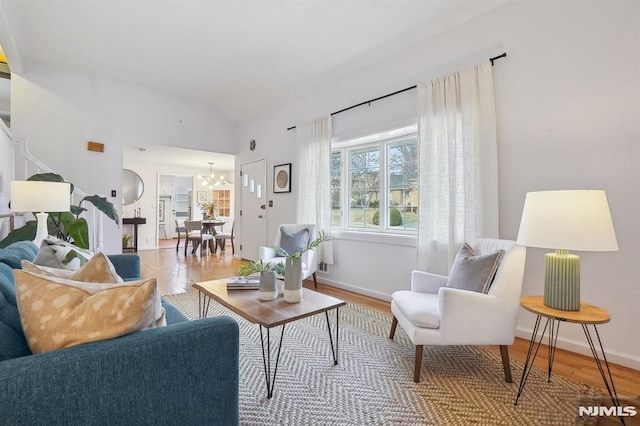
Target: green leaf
(50, 177)
(76, 229)
(105, 206)
(25, 233)
(77, 210)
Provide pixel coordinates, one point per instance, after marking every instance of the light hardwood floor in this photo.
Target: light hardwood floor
(176, 273)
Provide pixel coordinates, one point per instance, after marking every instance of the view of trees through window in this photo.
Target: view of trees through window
(378, 182)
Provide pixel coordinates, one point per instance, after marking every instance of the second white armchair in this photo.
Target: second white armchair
(293, 234)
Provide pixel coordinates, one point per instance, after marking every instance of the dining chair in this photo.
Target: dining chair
(179, 229)
(193, 230)
(222, 237)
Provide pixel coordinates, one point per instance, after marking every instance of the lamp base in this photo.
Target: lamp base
(42, 230)
(562, 281)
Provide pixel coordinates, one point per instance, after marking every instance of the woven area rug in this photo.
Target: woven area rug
(373, 383)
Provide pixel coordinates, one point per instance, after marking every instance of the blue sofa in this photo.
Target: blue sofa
(182, 374)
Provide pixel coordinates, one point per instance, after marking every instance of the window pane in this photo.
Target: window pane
(364, 187)
(336, 177)
(402, 182)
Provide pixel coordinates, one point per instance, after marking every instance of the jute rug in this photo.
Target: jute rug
(373, 383)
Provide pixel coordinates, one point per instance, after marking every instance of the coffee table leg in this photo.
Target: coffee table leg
(266, 359)
(334, 351)
(203, 305)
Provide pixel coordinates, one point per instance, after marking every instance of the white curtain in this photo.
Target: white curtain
(458, 165)
(314, 165)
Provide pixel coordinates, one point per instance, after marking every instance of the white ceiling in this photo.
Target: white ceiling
(243, 57)
(168, 158)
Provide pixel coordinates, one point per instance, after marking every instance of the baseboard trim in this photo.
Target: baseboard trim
(571, 345)
(582, 348)
(355, 289)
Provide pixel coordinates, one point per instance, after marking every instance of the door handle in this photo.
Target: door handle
(259, 216)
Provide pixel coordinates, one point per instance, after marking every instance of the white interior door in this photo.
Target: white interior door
(253, 212)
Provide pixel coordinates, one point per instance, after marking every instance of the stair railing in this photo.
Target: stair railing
(29, 165)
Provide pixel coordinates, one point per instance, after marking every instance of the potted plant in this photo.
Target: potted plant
(267, 288)
(126, 240)
(209, 209)
(293, 267)
(67, 226)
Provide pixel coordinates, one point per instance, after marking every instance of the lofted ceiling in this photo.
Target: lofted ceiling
(168, 158)
(243, 57)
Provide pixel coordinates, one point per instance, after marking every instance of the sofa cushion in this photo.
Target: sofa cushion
(60, 254)
(57, 313)
(474, 272)
(6, 284)
(12, 344)
(419, 308)
(98, 269)
(293, 242)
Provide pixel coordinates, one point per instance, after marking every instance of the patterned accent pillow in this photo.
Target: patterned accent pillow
(58, 313)
(474, 272)
(98, 269)
(56, 253)
(293, 242)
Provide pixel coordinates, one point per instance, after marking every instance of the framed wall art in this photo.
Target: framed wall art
(282, 178)
(202, 196)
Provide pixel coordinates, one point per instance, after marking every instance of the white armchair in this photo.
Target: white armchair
(433, 314)
(309, 259)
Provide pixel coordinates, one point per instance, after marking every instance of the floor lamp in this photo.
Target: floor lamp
(39, 196)
(566, 220)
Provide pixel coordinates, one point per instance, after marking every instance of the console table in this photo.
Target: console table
(135, 221)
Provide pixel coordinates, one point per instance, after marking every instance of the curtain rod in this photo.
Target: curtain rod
(504, 55)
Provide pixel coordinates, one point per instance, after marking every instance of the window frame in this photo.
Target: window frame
(381, 140)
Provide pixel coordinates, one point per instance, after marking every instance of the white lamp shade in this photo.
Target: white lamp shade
(37, 196)
(567, 220)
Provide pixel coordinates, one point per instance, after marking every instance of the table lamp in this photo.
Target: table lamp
(39, 196)
(566, 220)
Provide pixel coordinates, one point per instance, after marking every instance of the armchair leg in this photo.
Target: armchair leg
(504, 352)
(394, 324)
(315, 281)
(418, 365)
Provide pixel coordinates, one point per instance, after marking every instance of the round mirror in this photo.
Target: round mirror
(132, 187)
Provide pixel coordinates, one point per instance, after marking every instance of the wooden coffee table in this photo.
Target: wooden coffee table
(269, 314)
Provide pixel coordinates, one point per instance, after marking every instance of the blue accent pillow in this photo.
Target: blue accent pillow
(293, 242)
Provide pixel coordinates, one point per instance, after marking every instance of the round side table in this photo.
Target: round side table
(587, 315)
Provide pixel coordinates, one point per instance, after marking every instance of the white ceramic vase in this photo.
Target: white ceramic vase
(293, 280)
(268, 289)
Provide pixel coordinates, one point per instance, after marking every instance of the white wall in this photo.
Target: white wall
(6, 175)
(568, 109)
(58, 111)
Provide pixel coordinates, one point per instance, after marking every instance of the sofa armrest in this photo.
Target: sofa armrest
(127, 265)
(185, 373)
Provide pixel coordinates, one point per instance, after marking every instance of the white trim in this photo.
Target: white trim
(375, 237)
(625, 359)
(355, 289)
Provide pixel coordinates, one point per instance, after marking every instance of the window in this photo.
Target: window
(374, 182)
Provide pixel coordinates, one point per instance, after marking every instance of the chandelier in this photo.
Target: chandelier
(213, 180)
